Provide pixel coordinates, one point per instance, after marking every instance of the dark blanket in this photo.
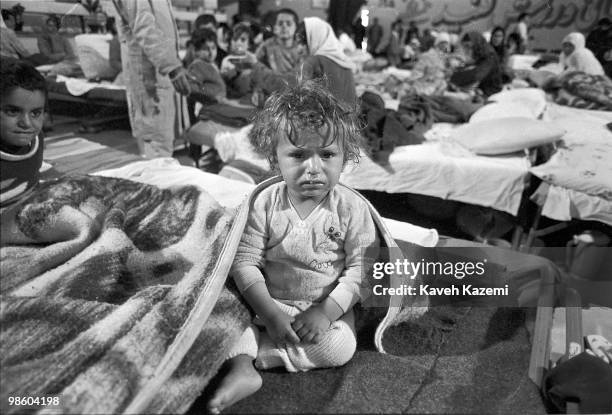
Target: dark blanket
(386, 129)
(227, 114)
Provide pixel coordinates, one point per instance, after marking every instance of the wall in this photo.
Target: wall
(302, 7)
(550, 21)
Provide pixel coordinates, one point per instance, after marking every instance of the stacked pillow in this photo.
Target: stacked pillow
(506, 135)
(509, 124)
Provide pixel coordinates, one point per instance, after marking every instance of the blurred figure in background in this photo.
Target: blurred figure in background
(576, 57)
(482, 70)
(522, 28)
(498, 42)
(599, 41)
(57, 48)
(153, 72)
(281, 53)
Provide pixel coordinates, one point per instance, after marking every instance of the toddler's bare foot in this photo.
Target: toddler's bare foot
(240, 381)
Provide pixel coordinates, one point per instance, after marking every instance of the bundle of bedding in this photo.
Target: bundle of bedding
(114, 296)
(582, 90)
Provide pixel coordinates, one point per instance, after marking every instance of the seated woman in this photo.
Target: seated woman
(430, 72)
(576, 57)
(326, 59)
(281, 53)
(483, 69)
(57, 49)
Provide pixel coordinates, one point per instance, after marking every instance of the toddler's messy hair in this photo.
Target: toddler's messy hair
(305, 106)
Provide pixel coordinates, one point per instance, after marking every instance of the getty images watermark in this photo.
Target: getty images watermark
(410, 270)
(453, 276)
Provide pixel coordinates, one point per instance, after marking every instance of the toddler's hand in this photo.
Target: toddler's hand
(311, 324)
(279, 329)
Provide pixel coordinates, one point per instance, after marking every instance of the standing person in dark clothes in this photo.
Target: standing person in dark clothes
(599, 41)
(375, 34)
(483, 68)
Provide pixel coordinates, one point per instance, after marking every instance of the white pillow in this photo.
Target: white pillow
(497, 110)
(505, 135)
(532, 98)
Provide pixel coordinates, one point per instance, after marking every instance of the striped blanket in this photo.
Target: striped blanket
(114, 297)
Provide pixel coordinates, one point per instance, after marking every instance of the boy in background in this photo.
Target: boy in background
(207, 84)
(23, 94)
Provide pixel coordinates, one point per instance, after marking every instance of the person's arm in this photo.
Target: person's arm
(278, 323)
(475, 74)
(361, 234)
(68, 49)
(208, 83)
(246, 272)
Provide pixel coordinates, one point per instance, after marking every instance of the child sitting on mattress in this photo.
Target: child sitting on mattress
(300, 262)
(23, 94)
(206, 83)
(237, 66)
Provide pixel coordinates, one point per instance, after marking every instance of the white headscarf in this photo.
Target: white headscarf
(323, 42)
(581, 59)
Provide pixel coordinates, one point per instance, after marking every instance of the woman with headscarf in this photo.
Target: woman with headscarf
(326, 59)
(576, 57)
(483, 69)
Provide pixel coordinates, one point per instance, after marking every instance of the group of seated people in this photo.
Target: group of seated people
(54, 48)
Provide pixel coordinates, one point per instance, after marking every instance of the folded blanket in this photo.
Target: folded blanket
(113, 295)
(581, 90)
(226, 114)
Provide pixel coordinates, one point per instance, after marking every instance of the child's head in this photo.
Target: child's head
(307, 134)
(204, 43)
(285, 24)
(53, 24)
(23, 93)
(206, 21)
(241, 39)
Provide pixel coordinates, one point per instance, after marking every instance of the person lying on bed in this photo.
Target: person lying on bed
(23, 94)
(206, 82)
(299, 264)
(483, 68)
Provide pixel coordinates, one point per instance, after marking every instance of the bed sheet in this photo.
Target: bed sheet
(442, 169)
(578, 177)
(167, 172)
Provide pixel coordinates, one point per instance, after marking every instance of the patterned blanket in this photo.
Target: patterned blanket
(114, 297)
(581, 90)
(102, 280)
